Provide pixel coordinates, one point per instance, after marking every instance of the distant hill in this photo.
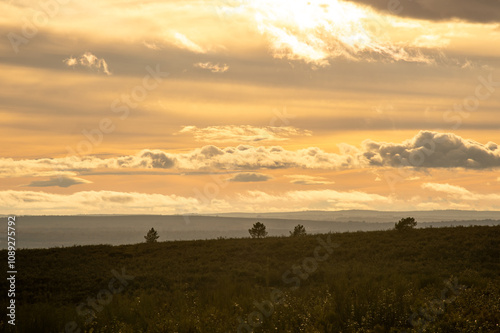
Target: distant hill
(52, 231)
(373, 216)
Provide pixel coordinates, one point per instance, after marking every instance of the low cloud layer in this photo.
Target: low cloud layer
(426, 150)
(93, 202)
(132, 202)
(89, 202)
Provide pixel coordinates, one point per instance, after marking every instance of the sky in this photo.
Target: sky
(180, 107)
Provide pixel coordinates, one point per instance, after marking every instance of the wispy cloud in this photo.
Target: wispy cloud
(183, 42)
(27, 202)
(94, 202)
(151, 45)
(316, 32)
(461, 193)
(308, 180)
(88, 60)
(31, 202)
(214, 68)
(243, 133)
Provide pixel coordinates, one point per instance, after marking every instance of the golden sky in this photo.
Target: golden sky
(176, 107)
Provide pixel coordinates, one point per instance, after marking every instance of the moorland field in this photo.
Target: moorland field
(441, 279)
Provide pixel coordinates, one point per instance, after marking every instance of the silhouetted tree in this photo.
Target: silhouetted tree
(299, 230)
(152, 236)
(407, 223)
(258, 230)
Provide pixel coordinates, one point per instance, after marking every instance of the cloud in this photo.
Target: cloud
(483, 11)
(214, 68)
(312, 199)
(88, 202)
(183, 42)
(247, 177)
(62, 181)
(244, 133)
(430, 41)
(426, 150)
(91, 202)
(308, 180)
(72, 165)
(461, 193)
(316, 32)
(151, 45)
(90, 61)
(433, 150)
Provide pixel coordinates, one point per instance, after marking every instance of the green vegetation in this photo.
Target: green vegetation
(258, 230)
(372, 282)
(404, 224)
(299, 230)
(152, 236)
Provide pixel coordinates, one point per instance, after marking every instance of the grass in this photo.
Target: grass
(372, 282)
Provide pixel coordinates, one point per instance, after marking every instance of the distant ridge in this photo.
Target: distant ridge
(354, 215)
(373, 216)
(51, 231)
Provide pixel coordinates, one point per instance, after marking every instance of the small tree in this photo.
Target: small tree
(151, 236)
(299, 230)
(407, 223)
(258, 230)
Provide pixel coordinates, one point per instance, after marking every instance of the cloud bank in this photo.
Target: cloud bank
(426, 150)
(30, 202)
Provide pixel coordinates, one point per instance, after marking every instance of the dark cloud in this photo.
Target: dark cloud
(247, 177)
(433, 150)
(483, 11)
(62, 181)
(158, 159)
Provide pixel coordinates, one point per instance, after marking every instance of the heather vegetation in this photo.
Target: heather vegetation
(440, 279)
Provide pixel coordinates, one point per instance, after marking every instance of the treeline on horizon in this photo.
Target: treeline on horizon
(442, 279)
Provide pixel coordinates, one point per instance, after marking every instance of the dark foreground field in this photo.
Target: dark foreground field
(440, 279)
